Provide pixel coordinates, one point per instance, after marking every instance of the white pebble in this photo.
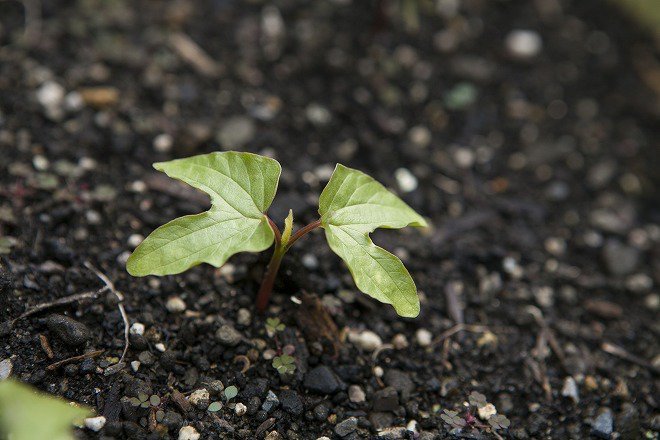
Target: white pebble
(137, 328)
(406, 180)
(464, 157)
(135, 365)
(399, 341)
(310, 261)
(199, 397)
(188, 433)
(487, 411)
(366, 340)
(134, 240)
(73, 101)
(523, 43)
(95, 423)
(50, 94)
(5, 368)
(161, 347)
(412, 426)
(243, 317)
(420, 136)
(356, 394)
(163, 143)
(240, 409)
(423, 337)
(175, 305)
(570, 389)
(378, 371)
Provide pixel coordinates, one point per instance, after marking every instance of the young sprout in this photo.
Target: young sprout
(274, 325)
(284, 364)
(242, 186)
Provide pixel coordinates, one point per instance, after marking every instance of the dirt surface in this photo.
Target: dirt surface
(534, 155)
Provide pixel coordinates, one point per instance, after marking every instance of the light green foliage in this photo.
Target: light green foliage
(274, 325)
(352, 206)
(231, 392)
(241, 186)
(284, 364)
(28, 415)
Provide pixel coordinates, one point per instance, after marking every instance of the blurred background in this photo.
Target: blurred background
(526, 131)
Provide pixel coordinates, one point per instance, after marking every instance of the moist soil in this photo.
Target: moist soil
(534, 156)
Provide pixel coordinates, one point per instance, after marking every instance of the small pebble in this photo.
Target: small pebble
(243, 317)
(137, 328)
(163, 143)
(160, 347)
(423, 337)
(240, 409)
(95, 423)
(487, 411)
(5, 369)
(399, 341)
(406, 180)
(366, 340)
(200, 398)
(68, 330)
(228, 335)
(175, 304)
(346, 427)
(310, 261)
(135, 365)
(523, 44)
(188, 433)
(356, 394)
(134, 240)
(271, 402)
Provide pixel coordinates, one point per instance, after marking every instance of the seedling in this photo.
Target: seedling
(284, 364)
(242, 186)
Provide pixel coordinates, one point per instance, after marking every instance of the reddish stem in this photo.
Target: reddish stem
(266, 288)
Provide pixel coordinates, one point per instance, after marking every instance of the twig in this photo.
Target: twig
(190, 51)
(120, 305)
(452, 291)
(620, 352)
(91, 354)
(46, 346)
(59, 302)
(458, 328)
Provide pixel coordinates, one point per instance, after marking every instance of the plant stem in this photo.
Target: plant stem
(268, 281)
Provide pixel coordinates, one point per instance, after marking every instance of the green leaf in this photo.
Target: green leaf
(231, 392)
(27, 415)
(241, 186)
(352, 206)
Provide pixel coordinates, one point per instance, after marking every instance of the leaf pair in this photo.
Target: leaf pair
(242, 187)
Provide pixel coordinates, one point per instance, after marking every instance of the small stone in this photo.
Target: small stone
(271, 402)
(163, 143)
(273, 435)
(216, 386)
(5, 369)
(200, 398)
(95, 423)
(620, 259)
(134, 240)
(487, 411)
(420, 136)
(400, 381)
(137, 328)
(310, 261)
(243, 317)
(50, 95)
(627, 422)
(240, 409)
(147, 358)
(523, 44)
(346, 427)
(70, 331)
(188, 433)
(366, 340)
(236, 131)
(228, 335)
(322, 380)
(356, 394)
(406, 180)
(175, 304)
(291, 402)
(423, 337)
(570, 389)
(160, 347)
(603, 425)
(135, 365)
(318, 114)
(399, 341)
(386, 399)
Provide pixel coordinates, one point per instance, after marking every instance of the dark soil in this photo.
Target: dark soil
(542, 190)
